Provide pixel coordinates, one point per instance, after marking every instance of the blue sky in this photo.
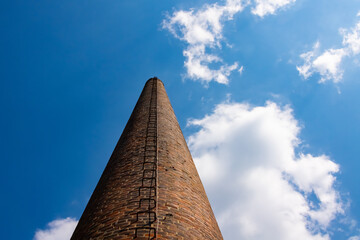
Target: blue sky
(71, 72)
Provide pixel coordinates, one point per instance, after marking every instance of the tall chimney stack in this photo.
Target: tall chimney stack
(150, 188)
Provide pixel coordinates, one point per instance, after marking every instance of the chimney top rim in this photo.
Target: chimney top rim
(155, 78)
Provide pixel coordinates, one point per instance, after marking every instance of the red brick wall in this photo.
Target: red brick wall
(150, 188)
(184, 210)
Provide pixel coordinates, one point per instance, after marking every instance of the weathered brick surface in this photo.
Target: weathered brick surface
(150, 188)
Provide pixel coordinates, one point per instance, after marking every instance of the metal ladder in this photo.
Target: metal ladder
(148, 189)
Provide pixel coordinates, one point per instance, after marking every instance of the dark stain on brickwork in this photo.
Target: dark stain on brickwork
(150, 188)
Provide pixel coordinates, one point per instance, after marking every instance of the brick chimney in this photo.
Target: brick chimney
(150, 188)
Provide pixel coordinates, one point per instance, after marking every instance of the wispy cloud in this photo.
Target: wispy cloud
(328, 63)
(259, 186)
(266, 7)
(354, 238)
(60, 229)
(202, 30)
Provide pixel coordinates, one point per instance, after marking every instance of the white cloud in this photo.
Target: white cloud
(60, 229)
(241, 70)
(259, 187)
(328, 63)
(351, 38)
(202, 30)
(354, 238)
(198, 69)
(265, 7)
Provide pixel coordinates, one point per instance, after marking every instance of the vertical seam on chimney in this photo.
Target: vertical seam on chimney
(157, 162)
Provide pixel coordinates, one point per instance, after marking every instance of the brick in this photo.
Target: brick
(150, 188)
